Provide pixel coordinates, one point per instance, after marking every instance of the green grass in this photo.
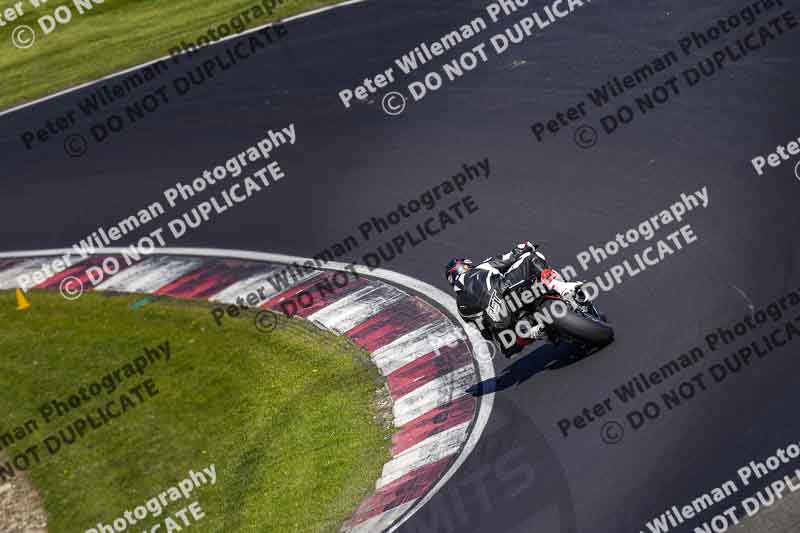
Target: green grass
(112, 36)
(288, 417)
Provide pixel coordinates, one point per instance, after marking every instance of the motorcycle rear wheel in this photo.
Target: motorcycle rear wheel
(581, 328)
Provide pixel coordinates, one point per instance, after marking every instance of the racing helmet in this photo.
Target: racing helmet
(454, 269)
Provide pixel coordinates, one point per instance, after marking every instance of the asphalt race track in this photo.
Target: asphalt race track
(349, 165)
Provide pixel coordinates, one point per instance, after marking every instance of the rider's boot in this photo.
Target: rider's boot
(535, 333)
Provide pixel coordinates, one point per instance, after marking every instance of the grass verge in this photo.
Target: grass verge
(115, 35)
(287, 418)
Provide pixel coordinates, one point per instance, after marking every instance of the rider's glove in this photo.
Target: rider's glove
(525, 247)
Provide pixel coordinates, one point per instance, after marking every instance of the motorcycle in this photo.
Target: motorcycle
(575, 319)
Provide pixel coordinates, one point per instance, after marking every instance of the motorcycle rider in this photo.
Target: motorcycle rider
(481, 290)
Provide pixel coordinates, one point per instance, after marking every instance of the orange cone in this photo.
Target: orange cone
(22, 302)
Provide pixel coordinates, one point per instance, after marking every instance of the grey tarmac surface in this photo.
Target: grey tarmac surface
(350, 165)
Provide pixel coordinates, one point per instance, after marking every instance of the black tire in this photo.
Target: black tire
(576, 327)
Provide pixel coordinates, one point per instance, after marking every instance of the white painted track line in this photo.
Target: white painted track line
(165, 58)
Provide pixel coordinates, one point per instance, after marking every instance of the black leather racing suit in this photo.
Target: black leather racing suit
(483, 287)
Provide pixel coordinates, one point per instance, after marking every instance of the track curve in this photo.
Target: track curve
(349, 166)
